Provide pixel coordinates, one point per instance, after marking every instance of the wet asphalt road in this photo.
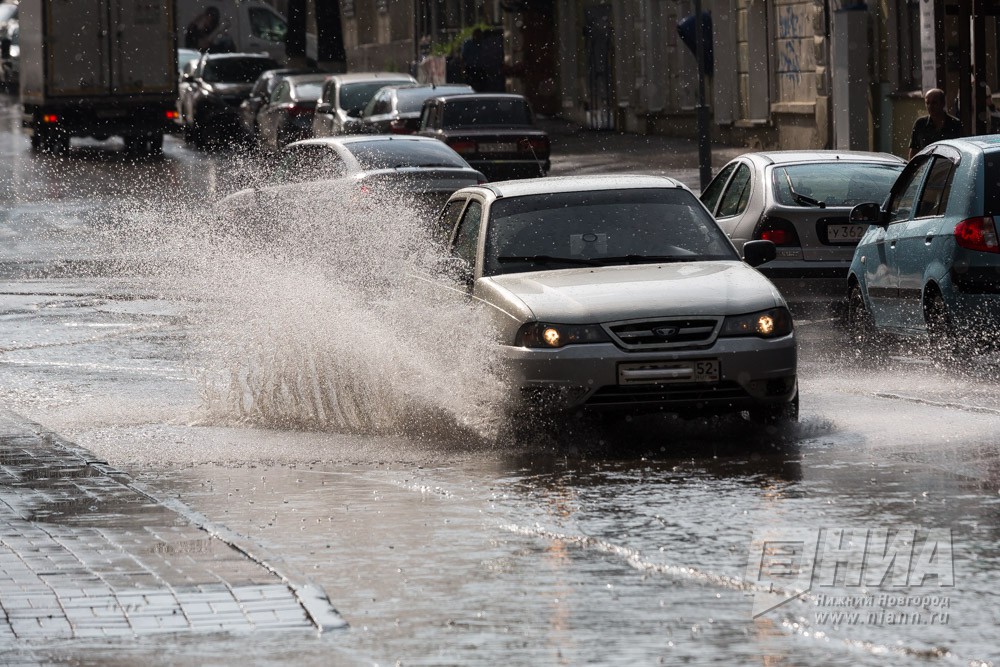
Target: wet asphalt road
(657, 542)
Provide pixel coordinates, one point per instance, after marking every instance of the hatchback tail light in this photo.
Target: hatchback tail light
(462, 147)
(778, 231)
(172, 115)
(977, 234)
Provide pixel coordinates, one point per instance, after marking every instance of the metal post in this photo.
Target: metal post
(704, 128)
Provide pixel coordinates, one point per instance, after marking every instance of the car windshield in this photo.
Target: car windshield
(490, 111)
(606, 227)
(236, 70)
(354, 96)
(833, 183)
(409, 100)
(390, 154)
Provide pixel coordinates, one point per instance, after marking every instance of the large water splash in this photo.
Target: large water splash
(303, 315)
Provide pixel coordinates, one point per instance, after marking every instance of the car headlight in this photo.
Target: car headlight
(545, 335)
(771, 323)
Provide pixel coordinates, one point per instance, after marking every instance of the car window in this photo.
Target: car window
(426, 115)
(736, 196)
(449, 216)
(380, 104)
(409, 100)
(991, 185)
(236, 70)
(355, 96)
(490, 111)
(467, 239)
(282, 94)
(905, 193)
(381, 154)
(308, 163)
(265, 24)
(605, 226)
(710, 197)
(934, 197)
(843, 183)
(329, 92)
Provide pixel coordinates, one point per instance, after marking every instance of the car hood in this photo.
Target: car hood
(609, 294)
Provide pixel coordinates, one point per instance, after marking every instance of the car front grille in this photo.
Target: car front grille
(666, 333)
(692, 396)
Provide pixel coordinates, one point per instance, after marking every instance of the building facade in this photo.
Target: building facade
(786, 73)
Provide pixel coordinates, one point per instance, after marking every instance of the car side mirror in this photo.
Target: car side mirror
(756, 253)
(355, 113)
(867, 214)
(324, 108)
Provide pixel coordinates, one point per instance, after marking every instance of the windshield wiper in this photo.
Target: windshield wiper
(549, 259)
(648, 259)
(801, 198)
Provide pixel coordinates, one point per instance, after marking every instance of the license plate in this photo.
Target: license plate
(666, 372)
(509, 147)
(845, 233)
(111, 113)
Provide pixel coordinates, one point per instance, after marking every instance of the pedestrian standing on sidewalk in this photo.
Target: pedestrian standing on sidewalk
(936, 125)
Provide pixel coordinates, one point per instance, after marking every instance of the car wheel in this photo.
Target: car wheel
(860, 324)
(940, 328)
(777, 414)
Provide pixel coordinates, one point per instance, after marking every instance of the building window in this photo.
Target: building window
(909, 45)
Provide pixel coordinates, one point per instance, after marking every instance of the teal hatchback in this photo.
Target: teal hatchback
(929, 263)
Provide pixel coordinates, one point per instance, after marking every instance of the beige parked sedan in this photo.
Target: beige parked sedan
(622, 293)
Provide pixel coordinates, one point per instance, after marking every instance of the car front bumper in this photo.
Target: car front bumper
(753, 372)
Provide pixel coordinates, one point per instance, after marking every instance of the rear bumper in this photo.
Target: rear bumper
(100, 120)
(801, 280)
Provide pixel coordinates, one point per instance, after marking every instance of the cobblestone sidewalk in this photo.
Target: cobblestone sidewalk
(85, 551)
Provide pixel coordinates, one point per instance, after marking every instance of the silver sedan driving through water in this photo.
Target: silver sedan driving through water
(622, 293)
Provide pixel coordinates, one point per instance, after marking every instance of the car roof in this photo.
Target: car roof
(362, 138)
(224, 56)
(558, 184)
(986, 143)
(483, 96)
(802, 156)
(370, 76)
(314, 77)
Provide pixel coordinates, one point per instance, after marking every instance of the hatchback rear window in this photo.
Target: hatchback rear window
(396, 154)
(833, 183)
(236, 70)
(991, 189)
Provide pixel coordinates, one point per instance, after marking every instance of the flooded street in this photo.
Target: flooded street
(296, 396)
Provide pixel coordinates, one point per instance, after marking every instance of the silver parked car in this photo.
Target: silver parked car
(801, 200)
(622, 293)
(344, 98)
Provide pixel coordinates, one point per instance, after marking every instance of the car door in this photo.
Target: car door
(881, 262)
(920, 236)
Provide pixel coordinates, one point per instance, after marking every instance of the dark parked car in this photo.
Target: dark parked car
(425, 170)
(345, 97)
(288, 116)
(495, 133)
(396, 109)
(928, 264)
(211, 93)
(260, 95)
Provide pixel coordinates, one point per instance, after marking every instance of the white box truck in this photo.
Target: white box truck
(98, 68)
(231, 25)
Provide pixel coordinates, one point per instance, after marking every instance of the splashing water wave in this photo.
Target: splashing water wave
(304, 317)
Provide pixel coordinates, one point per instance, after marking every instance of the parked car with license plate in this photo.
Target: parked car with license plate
(345, 96)
(621, 293)
(929, 261)
(801, 201)
(494, 132)
(288, 114)
(396, 109)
